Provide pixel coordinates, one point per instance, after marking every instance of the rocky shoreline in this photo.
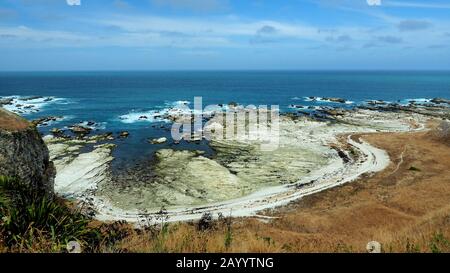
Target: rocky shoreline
(311, 157)
(237, 176)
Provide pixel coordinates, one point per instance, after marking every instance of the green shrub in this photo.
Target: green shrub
(439, 243)
(30, 216)
(415, 169)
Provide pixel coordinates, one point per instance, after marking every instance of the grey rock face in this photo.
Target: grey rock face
(23, 153)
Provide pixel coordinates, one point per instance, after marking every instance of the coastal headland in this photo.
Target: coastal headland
(316, 152)
(338, 179)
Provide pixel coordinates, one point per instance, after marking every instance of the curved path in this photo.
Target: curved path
(371, 160)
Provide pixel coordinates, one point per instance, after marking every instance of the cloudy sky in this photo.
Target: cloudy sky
(224, 34)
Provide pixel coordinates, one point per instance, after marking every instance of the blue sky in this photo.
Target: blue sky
(224, 34)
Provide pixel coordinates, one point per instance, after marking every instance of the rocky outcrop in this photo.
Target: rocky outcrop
(79, 130)
(160, 140)
(23, 153)
(338, 100)
(440, 100)
(6, 101)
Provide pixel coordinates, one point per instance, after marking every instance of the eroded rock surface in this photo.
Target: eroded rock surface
(23, 153)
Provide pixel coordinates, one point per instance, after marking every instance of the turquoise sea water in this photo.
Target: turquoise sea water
(116, 100)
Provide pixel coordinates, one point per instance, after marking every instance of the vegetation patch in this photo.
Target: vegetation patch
(415, 169)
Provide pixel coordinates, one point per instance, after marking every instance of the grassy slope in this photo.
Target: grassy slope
(12, 122)
(404, 207)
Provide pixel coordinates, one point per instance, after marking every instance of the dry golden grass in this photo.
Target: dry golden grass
(12, 122)
(405, 207)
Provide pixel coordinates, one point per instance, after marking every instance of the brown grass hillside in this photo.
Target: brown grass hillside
(12, 122)
(406, 208)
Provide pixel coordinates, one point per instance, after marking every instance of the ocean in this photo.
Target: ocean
(117, 101)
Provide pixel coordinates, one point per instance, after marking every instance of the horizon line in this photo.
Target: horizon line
(232, 70)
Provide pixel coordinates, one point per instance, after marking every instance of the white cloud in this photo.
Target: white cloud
(194, 5)
(212, 33)
(73, 2)
(222, 26)
(417, 5)
(374, 2)
(32, 35)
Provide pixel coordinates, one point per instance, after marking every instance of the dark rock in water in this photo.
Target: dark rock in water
(109, 134)
(90, 123)
(333, 112)
(311, 107)
(32, 98)
(143, 117)
(29, 106)
(45, 120)
(297, 106)
(303, 113)
(80, 130)
(56, 131)
(376, 102)
(440, 100)
(124, 134)
(48, 99)
(105, 136)
(23, 153)
(338, 100)
(158, 140)
(6, 101)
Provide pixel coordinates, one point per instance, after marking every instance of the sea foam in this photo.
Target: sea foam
(27, 105)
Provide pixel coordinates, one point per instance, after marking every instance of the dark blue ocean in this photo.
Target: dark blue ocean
(115, 100)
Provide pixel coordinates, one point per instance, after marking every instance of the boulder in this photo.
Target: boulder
(440, 100)
(31, 98)
(23, 153)
(57, 132)
(124, 134)
(6, 101)
(376, 102)
(80, 130)
(338, 100)
(44, 120)
(160, 140)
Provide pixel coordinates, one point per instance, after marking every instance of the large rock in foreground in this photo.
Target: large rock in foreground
(23, 153)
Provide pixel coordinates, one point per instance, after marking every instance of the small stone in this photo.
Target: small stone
(373, 247)
(158, 140)
(124, 134)
(73, 247)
